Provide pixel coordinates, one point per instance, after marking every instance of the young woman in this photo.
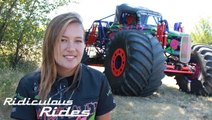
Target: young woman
(63, 88)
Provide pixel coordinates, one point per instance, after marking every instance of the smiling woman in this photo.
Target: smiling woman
(69, 49)
(62, 78)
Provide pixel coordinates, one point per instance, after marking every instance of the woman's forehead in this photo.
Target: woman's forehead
(73, 29)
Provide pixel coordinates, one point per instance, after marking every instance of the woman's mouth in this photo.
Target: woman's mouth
(69, 57)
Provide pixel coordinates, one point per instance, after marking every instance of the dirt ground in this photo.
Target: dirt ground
(168, 103)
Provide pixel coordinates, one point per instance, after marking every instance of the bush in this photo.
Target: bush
(8, 83)
(5, 61)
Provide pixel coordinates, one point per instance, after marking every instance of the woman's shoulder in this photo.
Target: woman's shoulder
(90, 70)
(31, 77)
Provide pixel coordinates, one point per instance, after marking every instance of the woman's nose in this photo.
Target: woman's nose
(70, 46)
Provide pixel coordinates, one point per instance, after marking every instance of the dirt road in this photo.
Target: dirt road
(168, 103)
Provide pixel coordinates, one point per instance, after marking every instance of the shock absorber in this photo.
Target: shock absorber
(185, 48)
(162, 34)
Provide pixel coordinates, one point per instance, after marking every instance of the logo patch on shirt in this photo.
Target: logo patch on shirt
(109, 92)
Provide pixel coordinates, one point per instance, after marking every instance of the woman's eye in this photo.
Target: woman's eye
(63, 40)
(79, 41)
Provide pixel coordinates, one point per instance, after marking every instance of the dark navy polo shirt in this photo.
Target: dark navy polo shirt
(90, 91)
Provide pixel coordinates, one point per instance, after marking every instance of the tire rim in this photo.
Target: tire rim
(118, 62)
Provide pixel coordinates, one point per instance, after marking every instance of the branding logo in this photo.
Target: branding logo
(53, 112)
(47, 110)
(28, 101)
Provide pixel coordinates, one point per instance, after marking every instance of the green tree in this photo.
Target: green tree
(22, 24)
(202, 32)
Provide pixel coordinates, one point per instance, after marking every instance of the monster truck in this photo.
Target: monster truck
(137, 49)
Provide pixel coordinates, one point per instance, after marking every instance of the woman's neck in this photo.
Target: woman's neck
(66, 72)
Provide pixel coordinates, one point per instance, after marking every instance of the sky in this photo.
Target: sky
(188, 12)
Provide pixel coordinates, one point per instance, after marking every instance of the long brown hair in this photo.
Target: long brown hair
(53, 33)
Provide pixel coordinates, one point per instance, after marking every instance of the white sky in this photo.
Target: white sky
(188, 12)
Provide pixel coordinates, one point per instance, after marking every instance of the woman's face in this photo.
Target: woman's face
(69, 50)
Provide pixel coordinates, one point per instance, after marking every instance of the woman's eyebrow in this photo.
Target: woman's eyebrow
(64, 36)
(79, 37)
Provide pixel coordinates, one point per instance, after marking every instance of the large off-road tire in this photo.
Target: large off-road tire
(200, 83)
(134, 64)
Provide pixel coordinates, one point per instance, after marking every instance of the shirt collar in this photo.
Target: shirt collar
(76, 79)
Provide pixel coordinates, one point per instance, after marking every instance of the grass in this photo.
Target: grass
(8, 82)
(168, 103)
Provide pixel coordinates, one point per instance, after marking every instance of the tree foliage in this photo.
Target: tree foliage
(22, 24)
(203, 31)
